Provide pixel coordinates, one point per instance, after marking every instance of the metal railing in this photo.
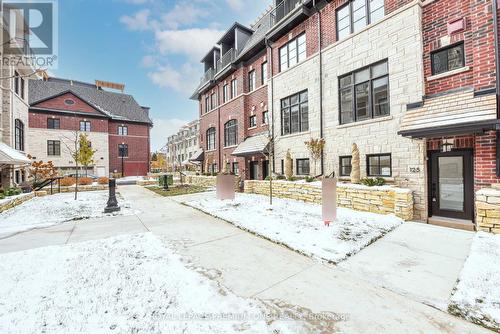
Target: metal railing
(208, 76)
(226, 59)
(283, 9)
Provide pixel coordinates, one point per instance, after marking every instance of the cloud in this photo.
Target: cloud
(138, 22)
(235, 4)
(182, 15)
(164, 127)
(137, 2)
(183, 80)
(149, 61)
(193, 43)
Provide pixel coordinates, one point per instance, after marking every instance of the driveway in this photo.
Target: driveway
(254, 267)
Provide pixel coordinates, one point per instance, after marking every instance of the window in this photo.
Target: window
(19, 84)
(236, 168)
(357, 14)
(211, 139)
(263, 73)
(53, 147)
(253, 121)
(303, 167)
(212, 101)
(294, 114)
(123, 150)
(207, 104)
(448, 59)
(85, 126)
(230, 133)
(19, 135)
(234, 88)
(345, 165)
(123, 130)
(53, 123)
(225, 93)
(265, 117)
(251, 81)
(379, 165)
(293, 52)
(282, 167)
(69, 102)
(364, 94)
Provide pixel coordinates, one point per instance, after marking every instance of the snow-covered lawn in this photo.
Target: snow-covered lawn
(477, 294)
(298, 225)
(127, 284)
(52, 210)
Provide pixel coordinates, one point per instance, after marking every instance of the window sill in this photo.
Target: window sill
(252, 127)
(449, 73)
(297, 134)
(209, 151)
(368, 121)
(228, 147)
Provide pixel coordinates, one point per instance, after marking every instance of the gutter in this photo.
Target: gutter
(320, 45)
(497, 81)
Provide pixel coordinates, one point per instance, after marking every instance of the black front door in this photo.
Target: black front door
(254, 170)
(451, 184)
(265, 169)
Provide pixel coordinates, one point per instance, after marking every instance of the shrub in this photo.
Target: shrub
(292, 179)
(2, 196)
(280, 177)
(309, 179)
(268, 178)
(85, 181)
(373, 182)
(12, 192)
(103, 180)
(67, 181)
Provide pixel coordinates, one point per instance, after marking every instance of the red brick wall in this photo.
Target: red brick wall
(137, 162)
(485, 160)
(38, 120)
(58, 104)
(477, 37)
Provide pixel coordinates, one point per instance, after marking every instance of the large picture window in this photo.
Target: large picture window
(19, 135)
(379, 165)
(293, 52)
(211, 139)
(295, 114)
(357, 14)
(230, 133)
(448, 59)
(364, 94)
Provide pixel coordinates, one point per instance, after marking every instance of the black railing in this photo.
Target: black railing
(208, 76)
(283, 9)
(226, 59)
(48, 182)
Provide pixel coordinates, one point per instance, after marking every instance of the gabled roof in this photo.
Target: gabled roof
(116, 105)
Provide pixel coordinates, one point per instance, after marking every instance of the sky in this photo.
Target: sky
(154, 47)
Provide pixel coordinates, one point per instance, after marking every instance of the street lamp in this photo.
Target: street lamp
(122, 154)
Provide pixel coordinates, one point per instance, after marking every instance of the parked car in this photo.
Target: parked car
(93, 177)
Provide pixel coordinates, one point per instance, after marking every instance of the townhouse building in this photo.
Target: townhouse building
(182, 149)
(412, 83)
(116, 125)
(14, 109)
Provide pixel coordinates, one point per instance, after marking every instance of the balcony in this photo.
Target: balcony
(286, 15)
(207, 77)
(226, 62)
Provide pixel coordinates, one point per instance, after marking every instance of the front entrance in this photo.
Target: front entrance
(254, 170)
(265, 169)
(451, 186)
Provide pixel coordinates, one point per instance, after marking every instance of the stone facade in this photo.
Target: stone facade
(383, 200)
(488, 210)
(183, 145)
(401, 47)
(208, 181)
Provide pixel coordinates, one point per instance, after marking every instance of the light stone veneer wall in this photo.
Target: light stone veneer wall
(396, 38)
(38, 147)
(488, 210)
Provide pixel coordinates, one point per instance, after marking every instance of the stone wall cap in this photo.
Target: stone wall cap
(488, 192)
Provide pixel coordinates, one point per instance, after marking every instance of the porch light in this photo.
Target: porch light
(447, 145)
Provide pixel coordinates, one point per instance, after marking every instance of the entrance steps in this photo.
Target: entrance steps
(461, 224)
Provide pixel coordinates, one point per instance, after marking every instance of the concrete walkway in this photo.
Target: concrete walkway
(253, 267)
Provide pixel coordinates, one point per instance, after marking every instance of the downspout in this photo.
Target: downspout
(219, 166)
(271, 105)
(320, 45)
(497, 81)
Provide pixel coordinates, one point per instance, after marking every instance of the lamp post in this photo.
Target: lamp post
(112, 205)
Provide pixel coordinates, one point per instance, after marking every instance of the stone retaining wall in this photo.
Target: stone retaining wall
(208, 181)
(488, 210)
(9, 203)
(383, 200)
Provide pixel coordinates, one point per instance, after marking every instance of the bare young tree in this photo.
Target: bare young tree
(72, 143)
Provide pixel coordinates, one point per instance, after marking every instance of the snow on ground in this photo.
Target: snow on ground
(126, 284)
(41, 212)
(299, 225)
(477, 294)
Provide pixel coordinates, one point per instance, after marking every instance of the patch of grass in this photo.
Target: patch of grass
(178, 190)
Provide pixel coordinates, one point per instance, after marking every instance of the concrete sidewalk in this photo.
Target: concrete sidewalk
(253, 267)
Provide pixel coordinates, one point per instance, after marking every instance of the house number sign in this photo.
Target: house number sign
(414, 169)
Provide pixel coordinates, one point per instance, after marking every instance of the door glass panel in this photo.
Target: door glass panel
(451, 183)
